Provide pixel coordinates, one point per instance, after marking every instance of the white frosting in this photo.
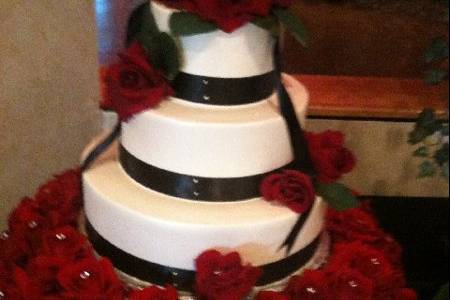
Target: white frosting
(210, 141)
(173, 232)
(243, 53)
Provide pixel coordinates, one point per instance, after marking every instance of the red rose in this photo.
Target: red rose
(290, 188)
(155, 293)
(59, 200)
(269, 295)
(133, 85)
(66, 243)
(27, 225)
(14, 249)
(43, 271)
(351, 225)
(223, 277)
(347, 284)
(311, 285)
(228, 15)
(329, 156)
(90, 279)
(364, 259)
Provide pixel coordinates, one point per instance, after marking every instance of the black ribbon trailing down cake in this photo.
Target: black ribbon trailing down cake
(191, 171)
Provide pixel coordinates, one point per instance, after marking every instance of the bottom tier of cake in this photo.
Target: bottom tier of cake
(156, 238)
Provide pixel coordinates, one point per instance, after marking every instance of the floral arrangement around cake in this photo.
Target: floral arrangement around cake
(44, 256)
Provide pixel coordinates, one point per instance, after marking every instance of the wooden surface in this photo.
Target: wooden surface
(373, 97)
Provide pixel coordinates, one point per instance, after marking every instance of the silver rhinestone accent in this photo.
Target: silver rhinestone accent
(195, 180)
(217, 272)
(311, 290)
(375, 261)
(2, 295)
(32, 224)
(4, 236)
(175, 274)
(205, 82)
(85, 275)
(61, 236)
(196, 194)
(206, 98)
(353, 283)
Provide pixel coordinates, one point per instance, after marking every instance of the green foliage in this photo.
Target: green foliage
(437, 51)
(337, 195)
(185, 24)
(269, 23)
(427, 124)
(290, 20)
(161, 47)
(164, 54)
(427, 169)
(435, 76)
(443, 293)
(432, 137)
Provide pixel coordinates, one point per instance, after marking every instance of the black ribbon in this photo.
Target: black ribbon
(191, 187)
(302, 160)
(224, 91)
(185, 279)
(102, 147)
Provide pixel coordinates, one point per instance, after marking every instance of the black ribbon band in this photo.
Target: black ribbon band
(184, 279)
(191, 187)
(224, 91)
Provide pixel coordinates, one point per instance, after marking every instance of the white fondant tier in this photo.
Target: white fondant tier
(218, 142)
(245, 52)
(173, 232)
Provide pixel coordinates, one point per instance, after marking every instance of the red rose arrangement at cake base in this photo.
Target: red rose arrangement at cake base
(44, 256)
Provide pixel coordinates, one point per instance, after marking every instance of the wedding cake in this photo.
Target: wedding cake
(188, 171)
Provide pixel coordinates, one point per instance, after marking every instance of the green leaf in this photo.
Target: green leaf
(426, 125)
(164, 54)
(435, 76)
(290, 20)
(185, 24)
(421, 152)
(269, 23)
(142, 23)
(445, 170)
(441, 156)
(427, 169)
(443, 293)
(337, 195)
(437, 51)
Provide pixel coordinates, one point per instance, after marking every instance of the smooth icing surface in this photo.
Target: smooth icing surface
(207, 141)
(246, 52)
(173, 232)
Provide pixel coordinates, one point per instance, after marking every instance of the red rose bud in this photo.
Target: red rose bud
(155, 293)
(66, 243)
(228, 15)
(348, 284)
(90, 279)
(269, 295)
(224, 277)
(330, 158)
(311, 285)
(133, 85)
(290, 188)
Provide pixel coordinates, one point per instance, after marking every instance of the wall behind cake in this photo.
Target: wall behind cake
(48, 92)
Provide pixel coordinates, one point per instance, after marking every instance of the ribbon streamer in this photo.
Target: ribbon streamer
(302, 160)
(102, 147)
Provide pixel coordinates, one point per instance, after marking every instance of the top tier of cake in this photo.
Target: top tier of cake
(243, 53)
